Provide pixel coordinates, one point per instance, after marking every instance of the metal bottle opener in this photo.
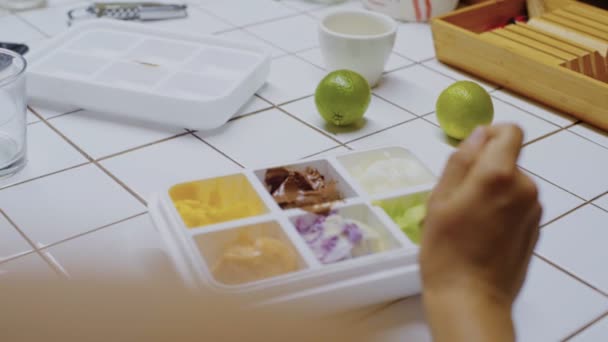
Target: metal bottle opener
(140, 11)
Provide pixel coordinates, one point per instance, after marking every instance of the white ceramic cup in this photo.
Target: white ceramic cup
(357, 40)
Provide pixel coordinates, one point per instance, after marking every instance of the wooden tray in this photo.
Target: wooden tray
(565, 70)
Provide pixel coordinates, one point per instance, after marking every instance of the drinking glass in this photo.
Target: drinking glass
(12, 112)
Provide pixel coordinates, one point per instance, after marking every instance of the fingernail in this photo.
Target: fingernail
(478, 137)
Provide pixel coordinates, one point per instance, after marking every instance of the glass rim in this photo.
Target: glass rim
(11, 78)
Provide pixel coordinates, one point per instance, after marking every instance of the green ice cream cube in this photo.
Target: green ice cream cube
(410, 222)
(408, 213)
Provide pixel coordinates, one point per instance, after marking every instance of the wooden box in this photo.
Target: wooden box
(561, 73)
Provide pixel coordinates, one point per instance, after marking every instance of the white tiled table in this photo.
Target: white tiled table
(81, 199)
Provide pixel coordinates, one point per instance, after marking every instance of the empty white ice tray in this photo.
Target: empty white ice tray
(140, 72)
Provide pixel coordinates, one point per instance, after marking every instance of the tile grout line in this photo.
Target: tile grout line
(23, 235)
(28, 23)
(552, 183)
(244, 26)
(16, 256)
(121, 183)
(279, 107)
(530, 113)
(296, 55)
(41, 117)
(585, 327)
(542, 137)
(296, 13)
(34, 250)
(422, 61)
(580, 206)
(252, 113)
(311, 11)
(585, 203)
(572, 275)
(582, 136)
(381, 131)
(398, 106)
(334, 139)
(93, 230)
(66, 139)
(424, 117)
(53, 263)
(324, 151)
(217, 150)
(493, 86)
(228, 30)
(211, 14)
(60, 115)
(263, 99)
(94, 162)
(136, 148)
(45, 175)
(36, 114)
(598, 207)
(294, 100)
(413, 64)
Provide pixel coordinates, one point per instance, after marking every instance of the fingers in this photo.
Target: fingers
(461, 161)
(531, 232)
(529, 196)
(496, 165)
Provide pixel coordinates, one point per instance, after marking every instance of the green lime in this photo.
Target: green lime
(462, 107)
(342, 97)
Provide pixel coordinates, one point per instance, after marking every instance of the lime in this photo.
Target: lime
(462, 107)
(342, 97)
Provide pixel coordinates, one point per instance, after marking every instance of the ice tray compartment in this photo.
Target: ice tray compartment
(215, 200)
(325, 169)
(249, 253)
(71, 65)
(161, 52)
(132, 74)
(103, 43)
(349, 233)
(407, 212)
(386, 170)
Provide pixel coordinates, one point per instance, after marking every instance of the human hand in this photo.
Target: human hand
(480, 231)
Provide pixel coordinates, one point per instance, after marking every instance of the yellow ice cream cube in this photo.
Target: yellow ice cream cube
(216, 200)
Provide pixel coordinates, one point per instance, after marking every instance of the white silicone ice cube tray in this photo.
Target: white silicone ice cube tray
(347, 284)
(138, 71)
